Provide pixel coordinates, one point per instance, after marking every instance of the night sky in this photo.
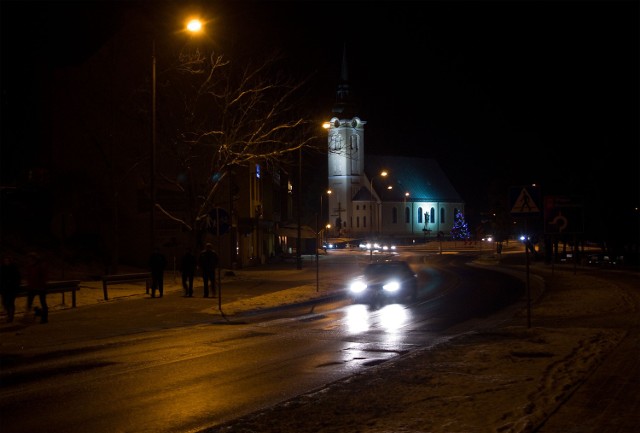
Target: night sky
(516, 91)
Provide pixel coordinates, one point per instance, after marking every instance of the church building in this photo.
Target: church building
(404, 199)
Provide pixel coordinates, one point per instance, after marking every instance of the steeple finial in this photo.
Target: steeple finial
(344, 76)
(345, 104)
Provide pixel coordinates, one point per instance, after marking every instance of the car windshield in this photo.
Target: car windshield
(377, 269)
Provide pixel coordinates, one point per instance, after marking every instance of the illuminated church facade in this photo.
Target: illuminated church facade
(403, 198)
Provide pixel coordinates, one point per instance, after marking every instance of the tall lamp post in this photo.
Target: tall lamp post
(324, 224)
(193, 26)
(381, 230)
(383, 173)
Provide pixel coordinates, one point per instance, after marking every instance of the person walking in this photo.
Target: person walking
(188, 268)
(37, 277)
(10, 280)
(208, 263)
(157, 265)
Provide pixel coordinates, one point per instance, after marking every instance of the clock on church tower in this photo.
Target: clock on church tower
(336, 142)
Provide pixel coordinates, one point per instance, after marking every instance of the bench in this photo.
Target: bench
(56, 287)
(125, 278)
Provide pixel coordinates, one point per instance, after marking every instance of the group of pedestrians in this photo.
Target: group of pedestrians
(36, 283)
(36, 277)
(207, 262)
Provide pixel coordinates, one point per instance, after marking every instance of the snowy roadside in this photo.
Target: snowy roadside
(506, 379)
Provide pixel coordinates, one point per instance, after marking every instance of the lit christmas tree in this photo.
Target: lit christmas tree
(460, 230)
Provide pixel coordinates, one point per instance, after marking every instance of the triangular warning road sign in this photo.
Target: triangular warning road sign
(525, 203)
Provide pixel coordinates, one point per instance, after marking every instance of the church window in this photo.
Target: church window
(406, 215)
(433, 216)
(419, 215)
(357, 222)
(353, 154)
(442, 215)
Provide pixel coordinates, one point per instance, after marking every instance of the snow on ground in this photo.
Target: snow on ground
(503, 379)
(506, 379)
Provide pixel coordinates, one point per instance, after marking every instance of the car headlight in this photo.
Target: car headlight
(358, 287)
(392, 286)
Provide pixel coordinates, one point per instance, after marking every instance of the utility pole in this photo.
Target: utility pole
(299, 241)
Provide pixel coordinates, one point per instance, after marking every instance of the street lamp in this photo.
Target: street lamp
(193, 26)
(328, 192)
(404, 210)
(381, 230)
(383, 174)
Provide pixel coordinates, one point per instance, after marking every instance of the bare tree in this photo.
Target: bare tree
(216, 117)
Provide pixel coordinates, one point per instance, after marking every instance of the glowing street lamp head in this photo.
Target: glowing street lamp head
(194, 25)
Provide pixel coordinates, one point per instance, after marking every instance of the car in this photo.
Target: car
(604, 260)
(377, 246)
(384, 281)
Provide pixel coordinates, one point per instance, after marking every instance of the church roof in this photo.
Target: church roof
(422, 178)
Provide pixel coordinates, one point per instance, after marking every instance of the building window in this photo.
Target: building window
(433, 216)
(406, 215)
(419, 215)
(441, 215)
(357, 207)
(364, 222)
(394, 215)
(358, 222)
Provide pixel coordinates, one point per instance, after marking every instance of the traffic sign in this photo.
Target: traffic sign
(524, 200)
(563, 215)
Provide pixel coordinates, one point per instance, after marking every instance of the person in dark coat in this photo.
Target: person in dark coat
(10, 280)
(188, 268)
(37, 285)
(157, 265)
(208, 264)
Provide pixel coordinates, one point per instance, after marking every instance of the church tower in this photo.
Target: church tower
(345, 157)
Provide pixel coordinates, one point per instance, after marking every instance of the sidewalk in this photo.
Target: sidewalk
(498, 378)
(96, 320)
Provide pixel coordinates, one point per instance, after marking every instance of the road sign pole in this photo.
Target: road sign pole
(526, 255)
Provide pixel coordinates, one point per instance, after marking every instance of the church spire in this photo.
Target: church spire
(345, 104)
(344, 76)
